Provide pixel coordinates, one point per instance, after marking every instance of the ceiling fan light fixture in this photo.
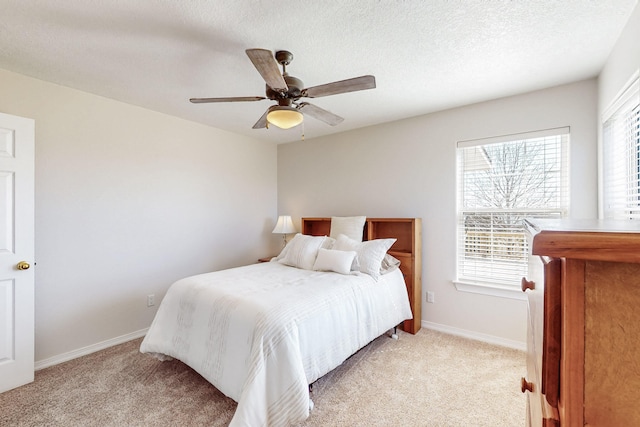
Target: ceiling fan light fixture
(284, 117)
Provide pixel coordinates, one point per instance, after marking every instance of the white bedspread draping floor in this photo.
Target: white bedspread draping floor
(263, 332)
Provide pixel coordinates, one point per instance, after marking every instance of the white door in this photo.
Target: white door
(17, 153)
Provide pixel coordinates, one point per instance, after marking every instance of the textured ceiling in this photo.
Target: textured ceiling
(426, 55)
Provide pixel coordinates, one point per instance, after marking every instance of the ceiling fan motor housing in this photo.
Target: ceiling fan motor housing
(294, 84)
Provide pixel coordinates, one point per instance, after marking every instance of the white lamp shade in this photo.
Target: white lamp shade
(284, 225)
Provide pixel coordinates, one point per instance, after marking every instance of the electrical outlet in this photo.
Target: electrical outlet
(431, 297)
(151, 300)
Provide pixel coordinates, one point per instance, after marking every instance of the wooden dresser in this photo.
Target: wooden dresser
(583, 350)
(407, 248)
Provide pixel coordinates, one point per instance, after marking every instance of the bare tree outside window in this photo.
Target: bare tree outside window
(501, 184)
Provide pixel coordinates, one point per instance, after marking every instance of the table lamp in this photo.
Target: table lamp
(284, 226)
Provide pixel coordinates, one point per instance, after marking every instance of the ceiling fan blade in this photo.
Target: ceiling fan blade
(267, 66)
(232, 99)
(262, 121)
(342, 86)
(320, 114)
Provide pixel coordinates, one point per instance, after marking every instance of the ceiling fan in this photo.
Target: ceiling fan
(287, 90)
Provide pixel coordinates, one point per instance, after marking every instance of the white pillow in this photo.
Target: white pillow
(301, 251)
(328, 242)
(389, 264)
(282, 253)
(350, 226)
(370, 253)
(345, 243)
(331, 260)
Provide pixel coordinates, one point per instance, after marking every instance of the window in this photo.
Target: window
(621, 155)
(501, 181)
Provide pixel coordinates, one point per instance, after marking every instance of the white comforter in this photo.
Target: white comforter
(263, 332)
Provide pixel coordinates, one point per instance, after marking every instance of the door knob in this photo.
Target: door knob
(23, 265)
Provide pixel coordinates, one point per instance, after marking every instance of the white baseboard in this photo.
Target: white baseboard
(65, 357)
(491, 339)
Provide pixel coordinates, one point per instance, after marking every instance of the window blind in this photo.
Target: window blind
(621, 155)
(501, 181)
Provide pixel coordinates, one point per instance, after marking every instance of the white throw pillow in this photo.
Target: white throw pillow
(370, 253)
(350, 226)
(345, 243)
(282, 253)
(332, 260)
(328, 242)
(302, 250)
(389, 264)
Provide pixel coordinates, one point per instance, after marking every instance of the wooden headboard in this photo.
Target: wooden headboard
(407, 248)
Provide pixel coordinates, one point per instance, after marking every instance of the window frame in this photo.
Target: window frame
(482, 285)
(621, 150)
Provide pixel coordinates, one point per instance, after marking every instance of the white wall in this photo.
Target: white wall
(408, 169)
(622, 63)
(129, 200)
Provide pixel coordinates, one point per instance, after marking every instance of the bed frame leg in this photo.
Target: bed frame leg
(311, 405)
(394, 334)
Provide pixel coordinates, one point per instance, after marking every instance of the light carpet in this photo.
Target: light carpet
(428, 379)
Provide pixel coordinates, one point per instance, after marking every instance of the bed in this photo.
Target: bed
(263, 333)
